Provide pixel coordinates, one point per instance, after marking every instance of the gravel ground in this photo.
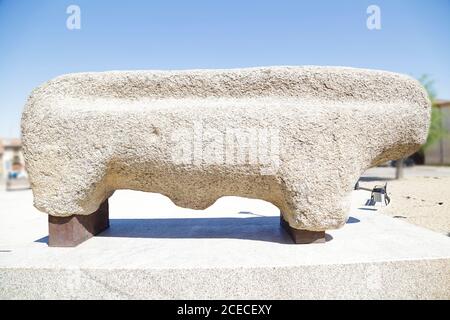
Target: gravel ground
(421, 200)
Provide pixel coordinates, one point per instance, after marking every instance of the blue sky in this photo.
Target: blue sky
(35, 44)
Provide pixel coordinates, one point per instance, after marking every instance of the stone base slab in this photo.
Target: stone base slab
(427, 279)
(154, 250)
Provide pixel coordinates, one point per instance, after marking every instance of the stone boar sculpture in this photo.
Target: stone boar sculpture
(298, 137)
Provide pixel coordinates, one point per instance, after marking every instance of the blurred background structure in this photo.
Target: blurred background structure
(438, 152)
(12, 166)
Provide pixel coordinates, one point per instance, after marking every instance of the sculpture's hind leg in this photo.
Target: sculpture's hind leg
(73, 230)
(315, 201)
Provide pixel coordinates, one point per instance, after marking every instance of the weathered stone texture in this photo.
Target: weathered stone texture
(88, 134)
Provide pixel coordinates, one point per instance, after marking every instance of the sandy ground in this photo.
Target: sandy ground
(422, 197)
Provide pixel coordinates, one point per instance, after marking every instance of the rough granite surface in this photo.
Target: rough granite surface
(183, 134)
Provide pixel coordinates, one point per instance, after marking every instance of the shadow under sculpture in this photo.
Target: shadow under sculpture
(86, 135)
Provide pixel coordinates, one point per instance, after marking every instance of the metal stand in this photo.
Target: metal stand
(73, 230)
(302, 236)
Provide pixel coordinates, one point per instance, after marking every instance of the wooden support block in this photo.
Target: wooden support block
(73, 230)
(302, 236)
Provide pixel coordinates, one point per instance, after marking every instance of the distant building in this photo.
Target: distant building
(11, 158)
(2, 151)
(439, 153)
